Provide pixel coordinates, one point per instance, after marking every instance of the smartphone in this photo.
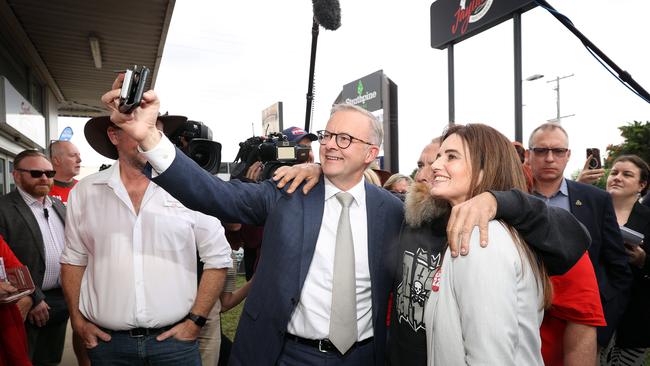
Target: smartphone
(594, 162)
(630, 236)
(133, 88)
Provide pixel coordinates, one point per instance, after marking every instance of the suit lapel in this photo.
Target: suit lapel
(26, 214)
(578, 203)
(314, 205)
(375, 218)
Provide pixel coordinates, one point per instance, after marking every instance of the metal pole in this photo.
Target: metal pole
(558, 115)
(312, 66)
(518, 87)
(450, 84)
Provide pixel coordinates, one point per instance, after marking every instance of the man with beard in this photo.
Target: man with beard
(130, 240)
(32, 223)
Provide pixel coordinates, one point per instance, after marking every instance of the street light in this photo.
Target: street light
(534, 77)
(556, 80)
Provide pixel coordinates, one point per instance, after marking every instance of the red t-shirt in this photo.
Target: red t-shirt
(12, 329)
(61, 190)
(576, 299)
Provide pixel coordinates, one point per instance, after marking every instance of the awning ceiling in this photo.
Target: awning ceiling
(53, 37)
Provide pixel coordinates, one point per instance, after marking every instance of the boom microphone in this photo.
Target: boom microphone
(327, 13)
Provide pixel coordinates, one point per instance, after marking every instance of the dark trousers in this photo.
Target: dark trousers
(46, 343)
(298, 354)
(125, 350)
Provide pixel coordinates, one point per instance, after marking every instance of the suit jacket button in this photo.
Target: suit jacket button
(293, 300)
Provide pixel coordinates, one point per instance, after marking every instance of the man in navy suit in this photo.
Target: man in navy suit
(548, 155)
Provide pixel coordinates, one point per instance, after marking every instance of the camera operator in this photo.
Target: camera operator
(301, 137)
(250, 236)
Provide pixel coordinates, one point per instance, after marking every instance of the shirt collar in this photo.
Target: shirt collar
(564, 190)
(358, 191)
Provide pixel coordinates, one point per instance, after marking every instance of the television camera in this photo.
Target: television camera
(274, 151)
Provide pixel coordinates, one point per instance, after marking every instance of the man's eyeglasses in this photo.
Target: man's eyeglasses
(558, 152)
(38, 173)
(343, 140)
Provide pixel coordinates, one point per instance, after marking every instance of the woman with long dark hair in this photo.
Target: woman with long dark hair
(626, 183)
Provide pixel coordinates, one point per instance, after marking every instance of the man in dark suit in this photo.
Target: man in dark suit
(548, 156)
(33, 225)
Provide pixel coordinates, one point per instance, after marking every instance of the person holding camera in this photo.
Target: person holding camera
(626, 183)
(592, 170)
(129, 267)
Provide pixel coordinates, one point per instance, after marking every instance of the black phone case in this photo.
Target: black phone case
(132, 101)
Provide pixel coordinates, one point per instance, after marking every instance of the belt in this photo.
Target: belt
(324, 345)
(141, 332)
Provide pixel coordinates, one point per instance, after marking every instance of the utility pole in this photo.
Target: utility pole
(558, 117)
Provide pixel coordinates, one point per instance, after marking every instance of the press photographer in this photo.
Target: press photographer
(260, 156)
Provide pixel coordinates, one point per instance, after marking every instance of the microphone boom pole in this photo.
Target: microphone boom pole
(312, 66)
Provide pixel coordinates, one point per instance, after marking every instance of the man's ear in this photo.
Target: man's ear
(527, 157)
(112, 135)
(373, 151)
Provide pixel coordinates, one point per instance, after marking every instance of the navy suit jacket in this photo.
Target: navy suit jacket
(593, 208)
(291, 227)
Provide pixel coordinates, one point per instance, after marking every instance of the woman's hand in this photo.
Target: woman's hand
(636, 255)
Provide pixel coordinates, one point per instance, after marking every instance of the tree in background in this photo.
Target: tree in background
(637, 142)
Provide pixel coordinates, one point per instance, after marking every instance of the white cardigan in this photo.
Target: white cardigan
(487, 309)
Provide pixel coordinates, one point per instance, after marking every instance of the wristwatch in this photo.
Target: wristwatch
(197, 319)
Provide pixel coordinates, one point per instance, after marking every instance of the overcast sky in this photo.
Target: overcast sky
(225, 61)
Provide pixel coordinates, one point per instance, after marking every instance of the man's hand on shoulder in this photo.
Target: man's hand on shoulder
(296, 174)
(477, 211)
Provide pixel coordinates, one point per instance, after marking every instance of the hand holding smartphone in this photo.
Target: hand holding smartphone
(133, 88)
(593, 154)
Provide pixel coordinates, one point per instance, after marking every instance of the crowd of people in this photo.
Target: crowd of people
(488, 255)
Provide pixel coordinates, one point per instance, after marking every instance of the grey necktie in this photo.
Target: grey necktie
(343, 318)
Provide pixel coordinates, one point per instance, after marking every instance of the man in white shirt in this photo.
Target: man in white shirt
(129, 266)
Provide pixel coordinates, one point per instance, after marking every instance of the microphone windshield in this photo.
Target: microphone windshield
(327, 13)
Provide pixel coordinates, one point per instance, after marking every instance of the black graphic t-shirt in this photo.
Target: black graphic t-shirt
(421, 250)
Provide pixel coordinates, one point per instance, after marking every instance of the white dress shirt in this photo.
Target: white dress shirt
(141, 267)
(51, 228)
(310, 318)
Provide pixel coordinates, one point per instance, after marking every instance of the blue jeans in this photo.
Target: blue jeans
(123, 349)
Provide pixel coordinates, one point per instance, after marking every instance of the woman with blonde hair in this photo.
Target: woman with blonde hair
(486, 307)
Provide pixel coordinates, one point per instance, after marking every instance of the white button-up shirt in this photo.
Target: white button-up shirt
(51, 228)
(141, 268)
(311, 318)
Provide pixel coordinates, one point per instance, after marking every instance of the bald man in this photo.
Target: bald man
(66, 160)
